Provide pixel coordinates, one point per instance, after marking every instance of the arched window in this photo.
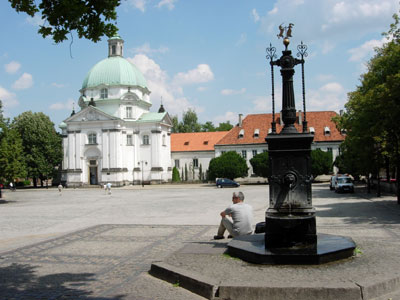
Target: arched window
(113, 50)
(92, 137)
(146, 140)
(103, 94)
(164, 142)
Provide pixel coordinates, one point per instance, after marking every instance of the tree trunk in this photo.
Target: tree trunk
(368, 184)
(34, 182)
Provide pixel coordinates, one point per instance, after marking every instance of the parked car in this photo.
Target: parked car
(344, 184)
(224, 182)
(332, 182)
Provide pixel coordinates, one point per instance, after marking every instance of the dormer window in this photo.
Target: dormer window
(343, 131)
(186, 143)
(312, 130)
(205, 143)
(103, 94)
(241, 133)
(256, 133)
(327, 131)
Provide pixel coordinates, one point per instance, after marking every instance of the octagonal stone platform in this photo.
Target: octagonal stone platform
(251, 248)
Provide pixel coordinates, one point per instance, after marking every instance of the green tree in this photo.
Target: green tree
(260, 164)
(175, 124)
(189, 122)
(175, 175)
(321, 162)
(41, 143)
(12, 162)
(373, 111)
(201, 177)
(91, 19)
(229, 165)
(225, 126)
(207, 127)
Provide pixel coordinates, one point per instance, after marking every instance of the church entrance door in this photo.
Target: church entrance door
(93, 180)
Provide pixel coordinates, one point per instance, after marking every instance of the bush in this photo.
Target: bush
(175, 175)
(260, 164)
(229, 165)
(321, 162)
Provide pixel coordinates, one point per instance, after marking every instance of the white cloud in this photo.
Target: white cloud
(139, 4)
(12, 67)
(256, 16)
(58, 85)
(331, 96)
(7, 98)
(36, 20)
(168, 3)
(160, 86)
(262, 104)
(230, 116)
(242, 39)
(202, 73)
(146, 49)
(229, 92)
(333, 22)
(365, 50)
(24, 82)
(68, 105)
(201, 88)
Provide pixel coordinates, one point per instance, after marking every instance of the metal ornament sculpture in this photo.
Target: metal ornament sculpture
(290, 234)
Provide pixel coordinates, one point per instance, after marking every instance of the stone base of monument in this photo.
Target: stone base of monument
(203, 267)
(327, 248)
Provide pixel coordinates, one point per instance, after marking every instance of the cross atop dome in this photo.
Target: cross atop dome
(115, 46)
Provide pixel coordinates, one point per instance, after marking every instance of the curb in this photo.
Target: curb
(195, 283)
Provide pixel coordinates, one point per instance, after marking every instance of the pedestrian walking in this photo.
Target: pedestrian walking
(60, 187)
(109, 188)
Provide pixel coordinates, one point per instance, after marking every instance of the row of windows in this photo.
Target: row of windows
(92, 139)
(195, 163)
(244, 152)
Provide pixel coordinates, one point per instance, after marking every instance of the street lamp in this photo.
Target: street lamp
(145, 163)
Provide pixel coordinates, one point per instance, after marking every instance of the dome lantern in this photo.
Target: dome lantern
(115, 46)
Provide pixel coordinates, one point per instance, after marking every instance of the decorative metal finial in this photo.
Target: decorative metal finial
(271, 55)
(302, 48)
(285, 32)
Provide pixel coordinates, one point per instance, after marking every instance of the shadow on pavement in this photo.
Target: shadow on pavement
(18, 281)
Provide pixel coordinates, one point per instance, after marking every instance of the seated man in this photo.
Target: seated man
(241, 214)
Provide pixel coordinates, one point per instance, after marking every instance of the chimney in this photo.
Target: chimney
(300, 118)
(240, 120)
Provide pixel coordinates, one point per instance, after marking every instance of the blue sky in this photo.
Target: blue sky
(202, 54)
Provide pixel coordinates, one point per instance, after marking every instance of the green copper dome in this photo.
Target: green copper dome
(114, 70)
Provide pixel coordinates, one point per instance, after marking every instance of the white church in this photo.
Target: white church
(114, 137)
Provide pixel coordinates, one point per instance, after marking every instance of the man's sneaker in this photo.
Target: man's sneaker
(230, 236)
(218, 237)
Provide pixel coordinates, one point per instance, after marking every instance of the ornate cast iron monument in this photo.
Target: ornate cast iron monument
(290, 225)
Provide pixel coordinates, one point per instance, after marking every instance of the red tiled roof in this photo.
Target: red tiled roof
(195, 141)
(317, 119)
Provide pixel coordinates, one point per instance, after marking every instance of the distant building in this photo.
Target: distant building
(194, 150)
(248, 137)
(114, 137)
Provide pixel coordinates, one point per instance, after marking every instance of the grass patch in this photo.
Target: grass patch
(227, 255)
(176, 284)
(357, 251)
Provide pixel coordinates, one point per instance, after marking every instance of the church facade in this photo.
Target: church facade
(114, 137)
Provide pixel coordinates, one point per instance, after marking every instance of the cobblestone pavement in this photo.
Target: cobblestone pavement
(100, 262)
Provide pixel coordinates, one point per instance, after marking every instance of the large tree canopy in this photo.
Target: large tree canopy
(91, 19)
(229, 165)
(372, 114)
(12, 159)
(42, 144)
(321, 162)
